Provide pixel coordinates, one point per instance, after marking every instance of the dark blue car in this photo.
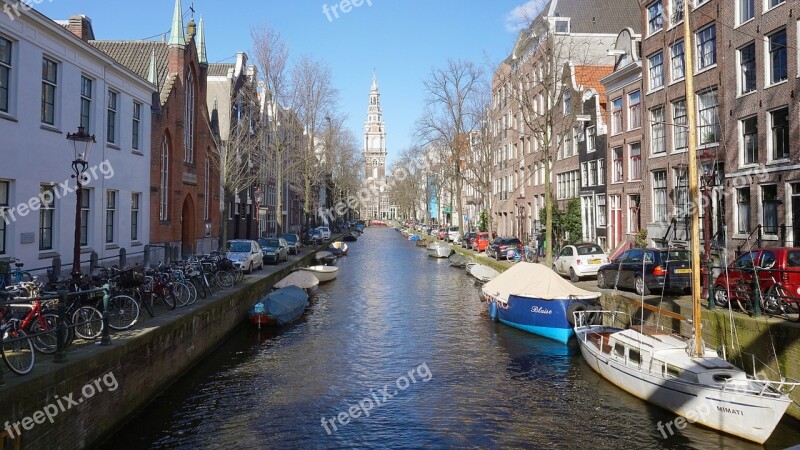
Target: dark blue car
(645, 269)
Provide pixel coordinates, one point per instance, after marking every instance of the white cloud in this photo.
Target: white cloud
(521, 16)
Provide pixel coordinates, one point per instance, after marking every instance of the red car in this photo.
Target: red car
(773, 265)
(480, 242)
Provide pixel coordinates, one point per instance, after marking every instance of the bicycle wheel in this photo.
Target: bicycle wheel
(181, 294)
(784, 302)
(743, 299)
(224, 279)
(772, 299)
(166, 296)
(238, 275)
(45, 343)
(529, 257)
(199, 287)
(123, 312)
(192, 292)
(88, 322)
(18, 354)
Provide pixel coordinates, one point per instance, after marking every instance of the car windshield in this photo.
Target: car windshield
(239, 247)
(269, 243)
(290, 238)
(675, 255)
(513, 241)
(589, 249)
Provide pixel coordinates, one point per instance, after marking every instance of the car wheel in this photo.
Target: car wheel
(250, 267)
(601, 280)
(573, 276)
(640, 286)
(720, 296)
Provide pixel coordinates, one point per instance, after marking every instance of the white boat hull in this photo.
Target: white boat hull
(323, 273)
(439, 250)
(749, 416)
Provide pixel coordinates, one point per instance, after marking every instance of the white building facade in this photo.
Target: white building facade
(52, 82)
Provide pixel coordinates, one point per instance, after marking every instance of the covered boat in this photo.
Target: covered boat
(326, 258)
(279, 307)
(481, 273)
(535, 299)
(322, 273)
(349, 238)
(341, 246)
(414, 237)
(458, 260)
(304, 280)
(439, 250)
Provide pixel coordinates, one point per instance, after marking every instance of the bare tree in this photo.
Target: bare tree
(313, 96)
(447, 121)
(484, 141)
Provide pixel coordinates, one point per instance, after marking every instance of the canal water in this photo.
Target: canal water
(400, 323)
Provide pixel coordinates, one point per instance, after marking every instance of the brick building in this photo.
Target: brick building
(184, 184)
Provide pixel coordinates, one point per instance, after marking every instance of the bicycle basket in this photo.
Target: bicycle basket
(131, 278)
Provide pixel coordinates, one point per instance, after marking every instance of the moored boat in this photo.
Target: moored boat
(322, 273)
(349, 238)
(439, 250)
(326, 258)
(533, 298)
(279, 307)
(341, 246)
(458, 260)
(481, 273)
(304, 280)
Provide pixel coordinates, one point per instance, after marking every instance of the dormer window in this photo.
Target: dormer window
(562, 26)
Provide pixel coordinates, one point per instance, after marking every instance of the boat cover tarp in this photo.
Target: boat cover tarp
(301, 279)
(285, 305)
(535, 281)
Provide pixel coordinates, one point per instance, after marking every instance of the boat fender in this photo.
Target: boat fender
(493, 312)
(573, 308)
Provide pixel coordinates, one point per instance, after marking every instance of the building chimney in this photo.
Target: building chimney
(81, 26)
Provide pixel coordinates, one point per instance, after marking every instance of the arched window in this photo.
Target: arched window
(163, 191)
(188, 126)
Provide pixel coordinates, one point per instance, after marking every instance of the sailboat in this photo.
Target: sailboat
(676, 373)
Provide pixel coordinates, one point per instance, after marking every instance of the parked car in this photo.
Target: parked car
(466, 241)
(452, 234)
(645, 269)
(501, 245)
(579, 260)
(772, 264)
(480, 242)
(275, 249)
(326, 232)
(294, 243)
(245, 254)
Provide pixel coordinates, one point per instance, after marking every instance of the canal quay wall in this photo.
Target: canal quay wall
(759, 336)
(79, 403)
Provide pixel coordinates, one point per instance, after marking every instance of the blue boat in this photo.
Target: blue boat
(279, 307)
(533, 298)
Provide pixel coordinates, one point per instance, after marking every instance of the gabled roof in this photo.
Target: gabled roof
(589, 77)
(220, 70)
(136, 56)
(598, 16)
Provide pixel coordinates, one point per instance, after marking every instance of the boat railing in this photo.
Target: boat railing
(761, 387)
(623, 320)
(762, 372)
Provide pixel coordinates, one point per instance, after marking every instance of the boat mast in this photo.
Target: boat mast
(691, 174)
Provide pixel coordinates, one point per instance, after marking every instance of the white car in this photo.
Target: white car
(453, 234)
(580, 260)
(326, 232)
(245, 254)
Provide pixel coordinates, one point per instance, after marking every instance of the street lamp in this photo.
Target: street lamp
(82, 143)
(259, 199)
(520, 216)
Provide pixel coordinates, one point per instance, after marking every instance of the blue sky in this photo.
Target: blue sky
(401, 39)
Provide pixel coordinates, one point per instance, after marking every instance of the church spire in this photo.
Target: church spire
(374, 81)
(176, 36)
(201, 43)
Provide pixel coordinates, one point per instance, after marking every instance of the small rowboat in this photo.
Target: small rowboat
(279, 307)
(304, 280)
(323, 273)
(326, 258)
(341, 246)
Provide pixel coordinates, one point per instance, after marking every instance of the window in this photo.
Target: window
(46, 213)
(657, 138)
(592, 169)
(188, 127)
(86, 103)
(676, 16)
(747, 65)
(111, 128)
(567, 144)
(655, 16)
(769, 199)
(747, 10)
(5, 75)
(679, 128)
(111, 209)
(86, 215)
(778, 70)
(774, 3)
(750, 140)
(616, 115)
(616, 175)
(634, 114)
(591, 139)
(601, 172)
(633, 213)
(601, 210)
(707, 121)
(567, 102)
(660, 196)
(656, 63)
(136, 126)
(207, 191)
(743, 210)
(562, 26)
(49, 84)
(707, 47)
(135, 198)
(635, 166)
(678, 71)
(779, 122)
(681, 193)
(4, 204)
(163, 191)
(585, 174)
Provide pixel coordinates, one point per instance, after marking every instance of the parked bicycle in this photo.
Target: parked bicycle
(17, 349)
(514, 255)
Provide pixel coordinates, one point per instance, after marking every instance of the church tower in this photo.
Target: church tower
(375, 137)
